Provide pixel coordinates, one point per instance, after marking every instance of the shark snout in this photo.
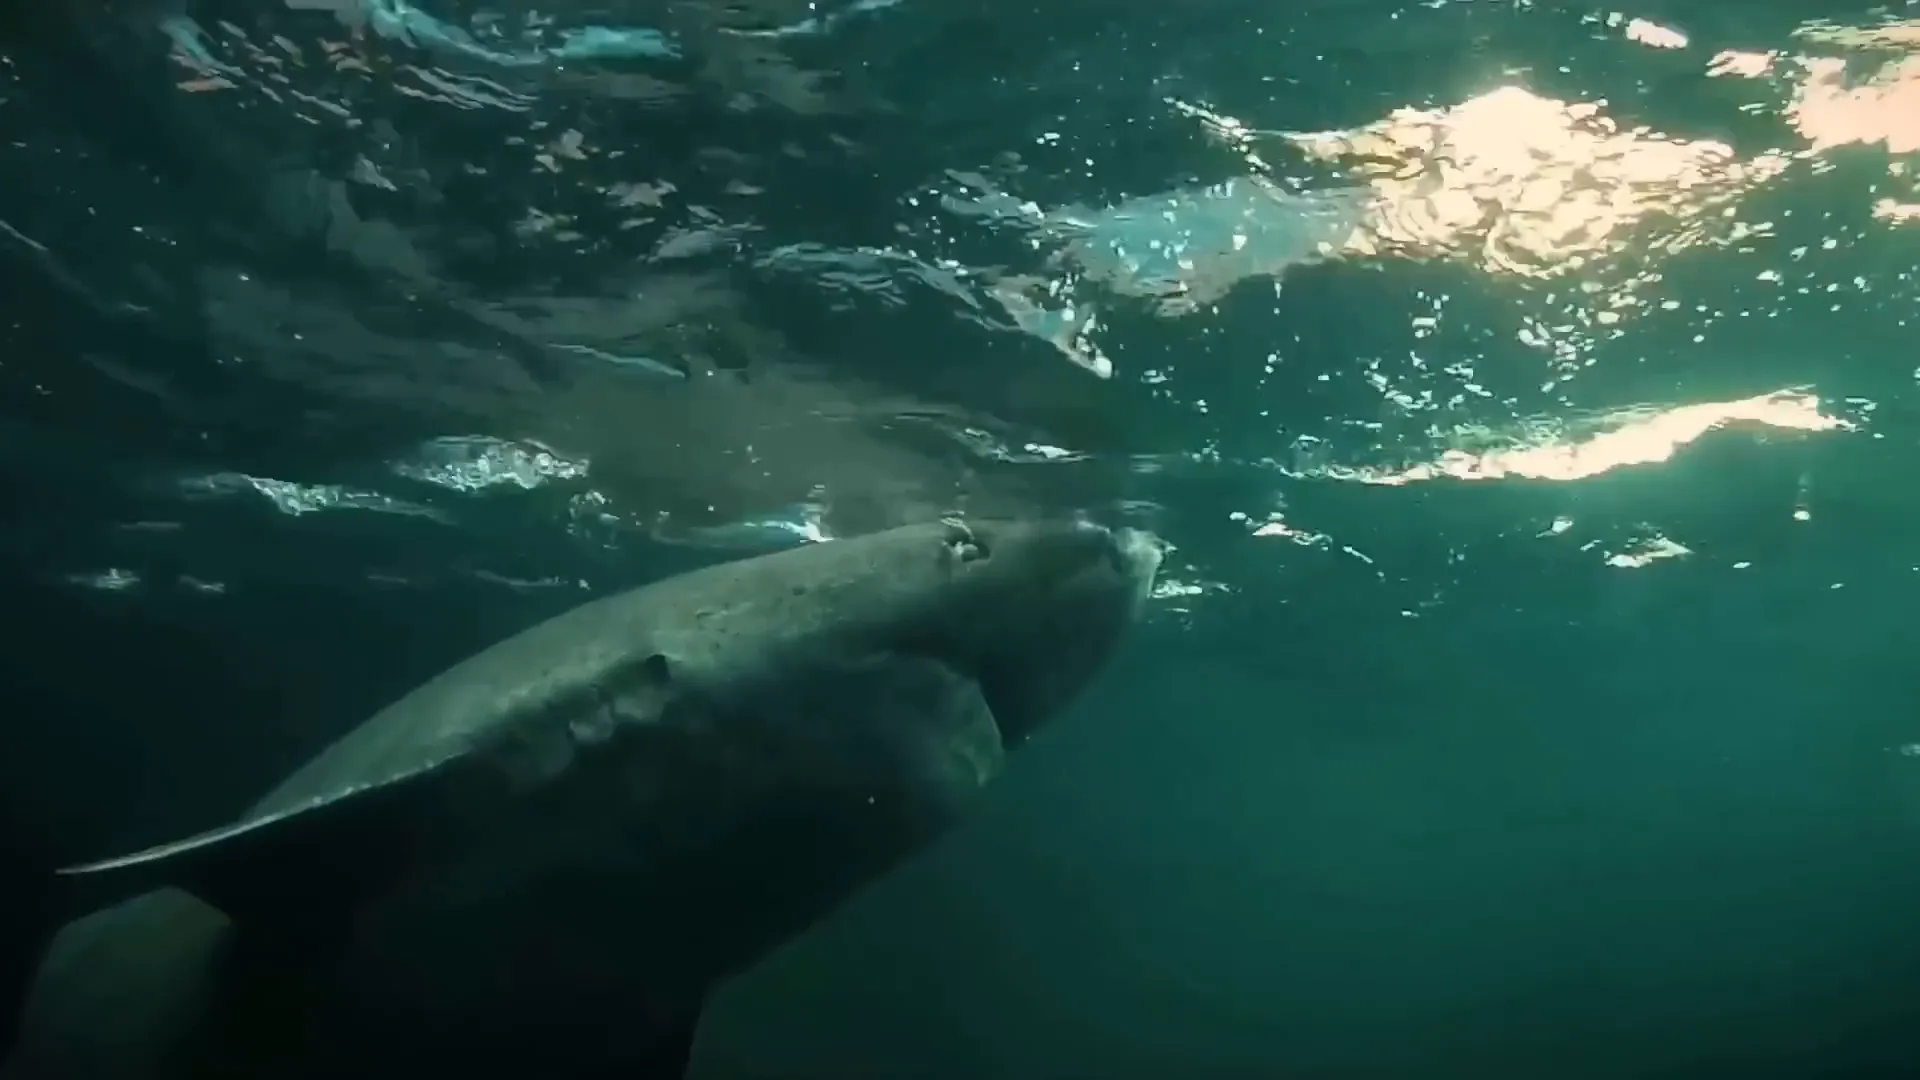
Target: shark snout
(1136, 552)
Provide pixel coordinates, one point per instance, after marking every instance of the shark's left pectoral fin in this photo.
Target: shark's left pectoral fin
(292, 883)
(33, 904)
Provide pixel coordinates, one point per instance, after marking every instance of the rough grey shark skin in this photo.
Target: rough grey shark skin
(541, 861)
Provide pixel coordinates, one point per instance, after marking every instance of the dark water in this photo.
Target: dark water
(1525, 697)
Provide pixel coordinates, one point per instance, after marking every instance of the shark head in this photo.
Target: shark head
(1031, 610)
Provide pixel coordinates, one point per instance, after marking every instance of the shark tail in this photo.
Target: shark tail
(34, 902)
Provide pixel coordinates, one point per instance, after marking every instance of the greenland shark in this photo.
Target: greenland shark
(543, 861)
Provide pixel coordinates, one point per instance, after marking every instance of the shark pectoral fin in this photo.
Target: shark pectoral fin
(961, 750)
(122, 990)
(33, 904)
(304, 867)
(939, 737)
(292, 883)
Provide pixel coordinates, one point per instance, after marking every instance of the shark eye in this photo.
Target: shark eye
(962, 542)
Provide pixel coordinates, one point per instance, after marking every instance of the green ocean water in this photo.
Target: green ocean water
(1603, 767)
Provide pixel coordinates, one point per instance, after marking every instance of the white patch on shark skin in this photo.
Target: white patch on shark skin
(593, 727)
